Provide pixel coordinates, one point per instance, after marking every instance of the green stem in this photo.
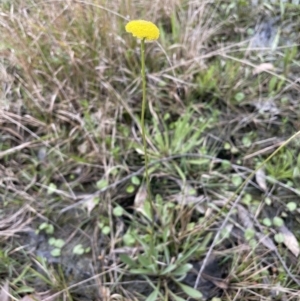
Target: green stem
(143, 71)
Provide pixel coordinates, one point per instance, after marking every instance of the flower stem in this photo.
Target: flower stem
(143, 71)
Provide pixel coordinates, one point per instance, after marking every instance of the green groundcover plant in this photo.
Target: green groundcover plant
(146, 265)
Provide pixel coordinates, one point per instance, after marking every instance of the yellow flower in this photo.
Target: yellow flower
(143, 29)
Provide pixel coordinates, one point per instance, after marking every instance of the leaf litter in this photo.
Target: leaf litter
(260, 178)
(290, 240)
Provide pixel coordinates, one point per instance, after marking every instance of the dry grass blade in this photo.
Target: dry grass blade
(15, 223)
(14, 149)
(262, 68)
(117, 297)
(140, 198)
(105, 293)
(4, 293)
(216, 281)
(260, 178)
(244, 217)
(266, 241)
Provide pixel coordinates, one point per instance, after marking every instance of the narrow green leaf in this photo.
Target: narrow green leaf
(22, 275)
(198, 161)
(144, 260)
(126, 259)
(167, 254)
(189, 253)
(169, 269)
(141, 271)
(176, 298)
(153, 295)
(182, 269)
(190, 291)
(205, 241)
(180, 172)
(25, 289)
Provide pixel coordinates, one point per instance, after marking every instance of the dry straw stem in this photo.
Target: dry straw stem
(16, 223)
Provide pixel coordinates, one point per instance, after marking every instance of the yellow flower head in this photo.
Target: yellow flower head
(143, 30)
